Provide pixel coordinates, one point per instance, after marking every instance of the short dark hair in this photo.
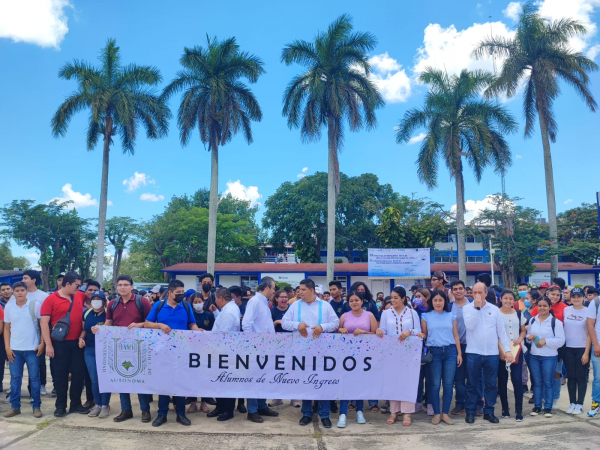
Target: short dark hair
(19, 284)
(125, 278)
(207, 275)
(4, 284)
(288, 289)
(484, 278)
(310, 284)
(523, 284)
(337, 284)
(327, 292)
(93, 283)
(236, 290)
(379, 293)
(70, 278)
(508, 292)
(444, 296)
(175, 284)
(560, 281)
(224, 293)
(265, 282)
(34, 275)
(593, 290)
(456, 282)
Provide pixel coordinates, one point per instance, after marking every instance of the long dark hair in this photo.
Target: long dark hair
(402, 293)
(368, 295)
(441, 294)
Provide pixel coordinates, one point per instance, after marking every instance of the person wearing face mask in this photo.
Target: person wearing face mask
(154, 294)
(522, 290)
(172, 314)
(379, 300)
(277, 313)
(207, 282)
(92, 319)
(205, 321)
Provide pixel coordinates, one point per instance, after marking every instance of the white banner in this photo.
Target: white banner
(399, 262)
(257, 365)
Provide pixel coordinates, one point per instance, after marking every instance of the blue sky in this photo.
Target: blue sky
(38, 36)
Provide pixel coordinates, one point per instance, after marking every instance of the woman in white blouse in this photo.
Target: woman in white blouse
(514, 324)
(402, 321)
(547, 335)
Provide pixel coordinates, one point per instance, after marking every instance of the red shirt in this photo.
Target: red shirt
(1, 313)
(558, 310)
(127, 313)
(57, 307)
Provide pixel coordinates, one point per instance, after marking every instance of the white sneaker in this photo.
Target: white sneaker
(342, 421)
(578, 410)
(555, 404)
(430, 410)
(7, 399)
(7, 391)
(595, 409)
(360, 417)
(418, 407)
(571, 408)
(43, 391)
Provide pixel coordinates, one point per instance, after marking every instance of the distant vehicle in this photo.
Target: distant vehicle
(148, 286)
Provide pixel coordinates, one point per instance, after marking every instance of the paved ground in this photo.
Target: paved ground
(79, 431)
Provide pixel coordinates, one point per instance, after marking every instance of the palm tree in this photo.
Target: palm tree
(458, 123)
(335, 86)
(219, 104)
(538, 56)
(119, 99)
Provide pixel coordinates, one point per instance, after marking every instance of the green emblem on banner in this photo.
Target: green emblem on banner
(128, 357)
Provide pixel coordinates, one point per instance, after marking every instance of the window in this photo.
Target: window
(249, 280)
(474, 259)
(470, 238)
(343, 280)
(441, 259)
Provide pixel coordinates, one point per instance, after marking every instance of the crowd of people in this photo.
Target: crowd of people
(475, 338)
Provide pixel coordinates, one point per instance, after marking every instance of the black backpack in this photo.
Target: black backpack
(186, 305)
(138, 303)
(561, 351)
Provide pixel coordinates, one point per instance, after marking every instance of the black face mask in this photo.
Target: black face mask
(206, 287)
(179, 298)
(361, 295)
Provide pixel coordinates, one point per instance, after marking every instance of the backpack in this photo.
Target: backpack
(138, 303)
(597, 303)
(561, 350)
(35, 319)
(186, 306)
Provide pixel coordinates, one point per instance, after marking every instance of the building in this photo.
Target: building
(230, 274)
(11, 276)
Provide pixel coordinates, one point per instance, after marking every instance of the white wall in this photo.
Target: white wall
(320, 280)
(540, 277)
(229, 280)
(189, 281)
(582, 279)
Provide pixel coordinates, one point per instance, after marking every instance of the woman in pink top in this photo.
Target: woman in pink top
(357, 321)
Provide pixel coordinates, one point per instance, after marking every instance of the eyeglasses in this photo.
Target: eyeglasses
(434, 279)
(78, 286)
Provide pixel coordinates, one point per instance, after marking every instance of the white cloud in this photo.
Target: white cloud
(305, 169)
(519, 156)
(148, 197)
(239, 191)
(513, 10)
(31, 255)
(474, 207)
(418, 138)
(303, 174)
(568, 201)
(136, 181)
(593, 52)
(389, 77)
(79, 200)
(39, 22)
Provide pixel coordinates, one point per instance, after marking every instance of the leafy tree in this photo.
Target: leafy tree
(516, 236)
(8, 261)
(218, 103)
(458, 124)
(578, 234)
(119, 231)
(297, 211)
(540, 56)
(141, 266)
(334, 88)
(412, 223)
(119, 99)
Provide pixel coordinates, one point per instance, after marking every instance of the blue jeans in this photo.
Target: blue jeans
(542, 368)
(475, 365)
(344, 405)
(163, 405)
(143, 398)
(558, 381)
(441, 371)
(16, 378)
(90, 361)
(254, 404)
(460, 380)
(324, 408)
(596, 382)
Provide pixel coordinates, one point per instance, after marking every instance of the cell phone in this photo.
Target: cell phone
(537, 339)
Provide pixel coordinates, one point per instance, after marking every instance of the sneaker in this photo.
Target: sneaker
(418, 407)
(342, 421)
(535, 411)
(457, 410)
(360, 417)
(95, 411)
(430, 410)
(7, 399)
(578, 410)
(595, 409)
(7, 391)
(555, 404)
(531, 401)
(43, 391)
(505, 414)
(519, 416)
(104, 411)
(571, 408)
(548, 413)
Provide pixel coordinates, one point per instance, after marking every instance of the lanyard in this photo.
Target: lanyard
(320, 311)
(399, 323)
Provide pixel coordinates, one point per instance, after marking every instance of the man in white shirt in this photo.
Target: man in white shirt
(22, 343)
(314, 315)
(484, 328)
(258, 319)
(593, 326)
(228, 320)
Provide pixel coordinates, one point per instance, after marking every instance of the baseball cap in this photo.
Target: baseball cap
(576, 291)
(545, 284)
(189, 293)
(318, 289)
(414, 287)
(155, 289)
(99, 294)
(440, 275)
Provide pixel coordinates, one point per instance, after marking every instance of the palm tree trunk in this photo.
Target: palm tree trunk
(213, 203)
(550, 197)
(460, 222)
(333, 168)
(103, 201)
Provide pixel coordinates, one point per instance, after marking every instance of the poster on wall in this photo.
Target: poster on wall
(293, 278)
(538, 278)
(399, 262)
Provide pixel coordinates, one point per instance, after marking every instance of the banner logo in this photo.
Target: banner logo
(129, 357)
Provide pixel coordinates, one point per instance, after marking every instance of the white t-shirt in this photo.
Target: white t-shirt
(575, 327)
(511, 325)
(592, 314)
(37, 296)
(23, 334)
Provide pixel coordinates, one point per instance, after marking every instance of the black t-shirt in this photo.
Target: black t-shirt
(338, 307)
(205, 320)
(277, 314)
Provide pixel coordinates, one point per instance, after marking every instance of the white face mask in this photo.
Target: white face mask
(96, 304)
(198, 306)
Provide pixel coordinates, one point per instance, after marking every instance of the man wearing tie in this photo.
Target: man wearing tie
(307, 316)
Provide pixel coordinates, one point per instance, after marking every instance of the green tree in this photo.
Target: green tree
(458, 124)
(539, 55)
(141, 266)
(119, 99)
(10, 262)
(516, 236)
(334, 88)
(578, 234)
(219, 104)
(119, 230)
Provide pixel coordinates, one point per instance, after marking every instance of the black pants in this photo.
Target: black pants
(226, 405)
(68, 358)
(42, 364)
(2, 361)
(576, 374)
